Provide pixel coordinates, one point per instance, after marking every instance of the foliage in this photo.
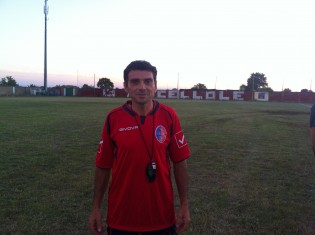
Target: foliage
(265, 89)
(199, 86)
(255, 81)
(305, 91)
(85, 86)
(105, 83)
(243, 87)
(8, 81)
(287, 90)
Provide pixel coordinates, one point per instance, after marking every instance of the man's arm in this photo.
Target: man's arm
(312, 126)
(181, 178)
(313, 135)
(102, 177)
(313, 138)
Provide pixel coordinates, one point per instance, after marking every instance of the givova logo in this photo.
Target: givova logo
(129, 128)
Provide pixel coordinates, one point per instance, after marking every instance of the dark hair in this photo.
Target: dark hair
(139, 65)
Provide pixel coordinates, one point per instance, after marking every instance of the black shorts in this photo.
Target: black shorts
(168, 231)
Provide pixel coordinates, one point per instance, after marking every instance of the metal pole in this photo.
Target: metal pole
(45, 49)
(178, 86)
(253, 88)
(94, 84)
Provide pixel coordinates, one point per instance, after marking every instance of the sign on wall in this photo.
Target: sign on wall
(210, 95)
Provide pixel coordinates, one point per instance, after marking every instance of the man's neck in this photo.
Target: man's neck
(142, 109)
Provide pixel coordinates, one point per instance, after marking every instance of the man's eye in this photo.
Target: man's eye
(134, 81)
(148, 81)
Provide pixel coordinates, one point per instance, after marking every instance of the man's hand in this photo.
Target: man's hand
(182, 219)
(95, 222)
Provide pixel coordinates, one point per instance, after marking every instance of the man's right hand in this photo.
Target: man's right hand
(95, 222)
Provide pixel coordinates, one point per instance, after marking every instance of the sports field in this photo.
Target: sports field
(252, 170)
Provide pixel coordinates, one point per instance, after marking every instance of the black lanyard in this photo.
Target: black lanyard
(151, 155)
(151, 167)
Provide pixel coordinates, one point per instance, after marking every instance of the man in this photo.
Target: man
(312, 127)
(139, 142)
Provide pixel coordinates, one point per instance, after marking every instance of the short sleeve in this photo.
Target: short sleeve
(105, 152)
(312, 116)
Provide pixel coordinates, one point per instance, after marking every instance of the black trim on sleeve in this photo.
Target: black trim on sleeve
(171, 126)
(312, 116)
(108, 124)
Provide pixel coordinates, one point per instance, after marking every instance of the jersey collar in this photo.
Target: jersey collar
(127, 107)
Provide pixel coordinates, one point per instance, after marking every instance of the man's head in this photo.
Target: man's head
(139, 65)
(140, 82)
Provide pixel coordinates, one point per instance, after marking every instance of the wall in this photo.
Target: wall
(19, 91)
(210, 94)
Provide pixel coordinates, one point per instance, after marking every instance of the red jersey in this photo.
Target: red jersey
(129, 143)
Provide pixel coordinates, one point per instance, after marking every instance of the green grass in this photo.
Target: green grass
(252, 170)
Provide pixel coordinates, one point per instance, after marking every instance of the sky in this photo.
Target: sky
(219, 43)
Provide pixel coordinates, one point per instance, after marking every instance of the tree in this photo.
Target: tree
(243, 87)
(86, 86)
(199, 86)
(287, 90)
(305, 91)
(8, 81)
(265, 89)
(256, 81)
(105, 83)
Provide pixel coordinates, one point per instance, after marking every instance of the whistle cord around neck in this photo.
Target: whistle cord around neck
(143, 139)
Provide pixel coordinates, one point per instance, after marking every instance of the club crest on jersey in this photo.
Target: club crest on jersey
(160, 133)
(180, 139)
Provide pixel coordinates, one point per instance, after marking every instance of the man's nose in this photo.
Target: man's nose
(142, 85)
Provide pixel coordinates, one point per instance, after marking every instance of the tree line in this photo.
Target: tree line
(256, 82)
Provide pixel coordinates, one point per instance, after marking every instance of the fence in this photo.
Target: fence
(300, 97)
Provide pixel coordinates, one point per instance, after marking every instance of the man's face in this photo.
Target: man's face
(141, 86)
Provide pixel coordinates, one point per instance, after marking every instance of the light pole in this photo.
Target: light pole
(178, 86)
(253, 87)
(45, 49)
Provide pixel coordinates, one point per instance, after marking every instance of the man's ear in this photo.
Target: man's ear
(126, 87)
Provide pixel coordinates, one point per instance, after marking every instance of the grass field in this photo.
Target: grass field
(252, 170)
